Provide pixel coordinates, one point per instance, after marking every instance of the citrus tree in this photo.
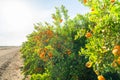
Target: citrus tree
(81, 48)
(51, 52)
(103, 38)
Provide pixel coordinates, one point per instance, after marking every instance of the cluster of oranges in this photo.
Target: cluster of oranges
(89, 65)
(49, 33)
(44, 54)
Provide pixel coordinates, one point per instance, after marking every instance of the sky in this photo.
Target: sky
(17, 17)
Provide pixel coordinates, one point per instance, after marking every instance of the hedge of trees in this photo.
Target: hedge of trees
(86, 47)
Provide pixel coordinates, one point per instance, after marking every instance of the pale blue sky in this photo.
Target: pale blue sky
(18, 16)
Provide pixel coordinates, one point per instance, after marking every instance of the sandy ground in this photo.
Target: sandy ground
(10, 64)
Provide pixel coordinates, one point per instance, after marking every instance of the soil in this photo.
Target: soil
(11, 64)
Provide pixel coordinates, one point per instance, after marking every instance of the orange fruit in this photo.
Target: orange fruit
(61, 20)
(50, 54)
(117, 47)
(45, 49)
(49, 33)
(42, 55)
(116, 50)
(92, 9)
(118, 60)
(68, 52)
(112, 1)
(88, 34)
(88, 64)
(84, 1)
(100, 77)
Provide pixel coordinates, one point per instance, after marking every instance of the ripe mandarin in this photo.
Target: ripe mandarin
(112, 1)
(88, 64)
(84, 1)
(88, 34)
(100, 77)
(116, 50)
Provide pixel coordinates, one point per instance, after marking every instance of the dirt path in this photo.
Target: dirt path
(10, 64)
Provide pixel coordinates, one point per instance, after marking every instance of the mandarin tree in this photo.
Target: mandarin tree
(103, 46)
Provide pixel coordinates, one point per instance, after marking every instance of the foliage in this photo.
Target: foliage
(86, 47)
(53, 48)
(44, 76)
(103, 46)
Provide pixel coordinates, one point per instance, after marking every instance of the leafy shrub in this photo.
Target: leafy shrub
(55, 49)
(103, 43)
(82, 48)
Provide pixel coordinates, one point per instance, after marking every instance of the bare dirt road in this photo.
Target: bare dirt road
(10, 63)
